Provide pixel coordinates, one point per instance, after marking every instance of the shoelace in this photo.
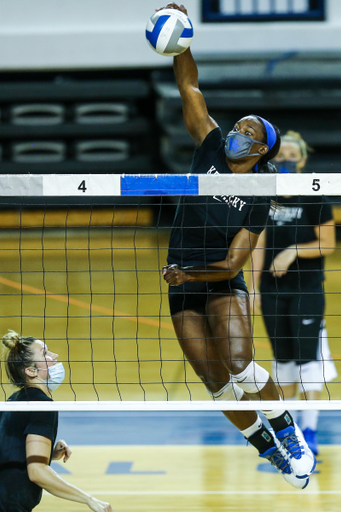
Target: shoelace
(292, 445)
(278, 460)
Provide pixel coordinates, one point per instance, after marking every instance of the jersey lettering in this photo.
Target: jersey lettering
(285, 215)
(234, 201)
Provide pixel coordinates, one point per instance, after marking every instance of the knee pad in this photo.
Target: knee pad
(285, 374)
(310, 376)
(229, 392)
(252, 379)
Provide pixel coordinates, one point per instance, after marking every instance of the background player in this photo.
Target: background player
(288, 264)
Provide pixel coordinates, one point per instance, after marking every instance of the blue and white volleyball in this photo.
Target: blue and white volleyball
(169, 32)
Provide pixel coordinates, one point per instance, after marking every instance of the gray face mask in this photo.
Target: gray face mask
(239, 146)
(287, 166)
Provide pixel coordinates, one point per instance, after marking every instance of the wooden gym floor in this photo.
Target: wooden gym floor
(61, 287)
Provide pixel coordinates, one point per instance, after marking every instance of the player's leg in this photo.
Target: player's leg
(306, 319)
(198, 345)
(230, 322)
(275, 310)
(229, 319)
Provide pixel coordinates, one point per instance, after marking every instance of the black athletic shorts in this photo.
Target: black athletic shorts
(192, 295)
(293, 322)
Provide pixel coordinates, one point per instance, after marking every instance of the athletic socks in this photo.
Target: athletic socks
(294, 414)
(281, 422)
(259, 436)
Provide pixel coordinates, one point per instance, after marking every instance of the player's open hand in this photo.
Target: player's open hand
(174, 275)
(173, 5)
(61, 450)
(282, 262)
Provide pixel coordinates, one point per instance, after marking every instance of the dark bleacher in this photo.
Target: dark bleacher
(294, 91)
(75, 123)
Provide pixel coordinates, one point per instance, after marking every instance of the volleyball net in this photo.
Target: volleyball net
(81, 269)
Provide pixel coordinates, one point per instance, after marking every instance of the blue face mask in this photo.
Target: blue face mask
(239, 146)
(287, 166)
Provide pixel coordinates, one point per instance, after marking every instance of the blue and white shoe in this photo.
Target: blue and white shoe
(311, 438)
(302, 459)
(278, 458)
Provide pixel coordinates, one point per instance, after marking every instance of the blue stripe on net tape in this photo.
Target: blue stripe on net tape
(155, 185)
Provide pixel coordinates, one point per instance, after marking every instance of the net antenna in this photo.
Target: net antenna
(46, 297)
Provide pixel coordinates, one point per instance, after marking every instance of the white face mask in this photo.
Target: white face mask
(56, 376)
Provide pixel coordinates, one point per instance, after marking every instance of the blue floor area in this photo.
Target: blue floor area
(168, 428)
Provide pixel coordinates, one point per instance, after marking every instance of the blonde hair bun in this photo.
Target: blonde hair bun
(292, 136)
(11, 339)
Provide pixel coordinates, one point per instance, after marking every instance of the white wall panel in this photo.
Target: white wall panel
(48, 34)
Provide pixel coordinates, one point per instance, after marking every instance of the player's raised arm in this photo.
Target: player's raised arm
(197, 120)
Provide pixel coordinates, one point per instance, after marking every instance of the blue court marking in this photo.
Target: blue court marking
(168, 428)
(161, 184)
(125, 468)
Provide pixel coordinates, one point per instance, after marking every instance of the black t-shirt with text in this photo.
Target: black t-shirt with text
(17, 492)
(204, 226)
(290, 224)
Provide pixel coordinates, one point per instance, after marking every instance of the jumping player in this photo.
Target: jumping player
(211, 240)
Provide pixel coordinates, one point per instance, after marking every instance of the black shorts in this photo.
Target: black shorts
(293, 322)
(194, 295)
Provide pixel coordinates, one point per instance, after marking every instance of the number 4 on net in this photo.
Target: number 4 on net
(82, 186)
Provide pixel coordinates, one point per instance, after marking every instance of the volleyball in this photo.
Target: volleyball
(169, 32)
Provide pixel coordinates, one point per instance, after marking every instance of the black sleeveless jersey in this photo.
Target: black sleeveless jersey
(293, 223)
(204, 226)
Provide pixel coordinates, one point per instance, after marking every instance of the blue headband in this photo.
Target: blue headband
(271, 135)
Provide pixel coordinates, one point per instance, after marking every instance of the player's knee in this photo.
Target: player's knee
(230, 391)
(252, 379)
(237, 366)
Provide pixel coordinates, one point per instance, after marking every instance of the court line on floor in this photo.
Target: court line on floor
(83, 305)
(209, 493)
(99, 309)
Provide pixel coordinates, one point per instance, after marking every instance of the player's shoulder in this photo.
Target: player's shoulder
(213, 140)
(29, 394)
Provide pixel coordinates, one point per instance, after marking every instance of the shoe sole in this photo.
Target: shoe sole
(307, 482)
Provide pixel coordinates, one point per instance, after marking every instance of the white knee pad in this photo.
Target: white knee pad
(229, 392)
(252, 379)
(310, 376)
(285, 374)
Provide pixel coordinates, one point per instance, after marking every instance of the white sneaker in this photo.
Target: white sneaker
(302, 459)
(280, 459)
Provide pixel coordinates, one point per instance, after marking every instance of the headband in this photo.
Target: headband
(271, 135)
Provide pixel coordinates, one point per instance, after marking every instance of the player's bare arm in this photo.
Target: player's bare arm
(197, 120)
(239, 252)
